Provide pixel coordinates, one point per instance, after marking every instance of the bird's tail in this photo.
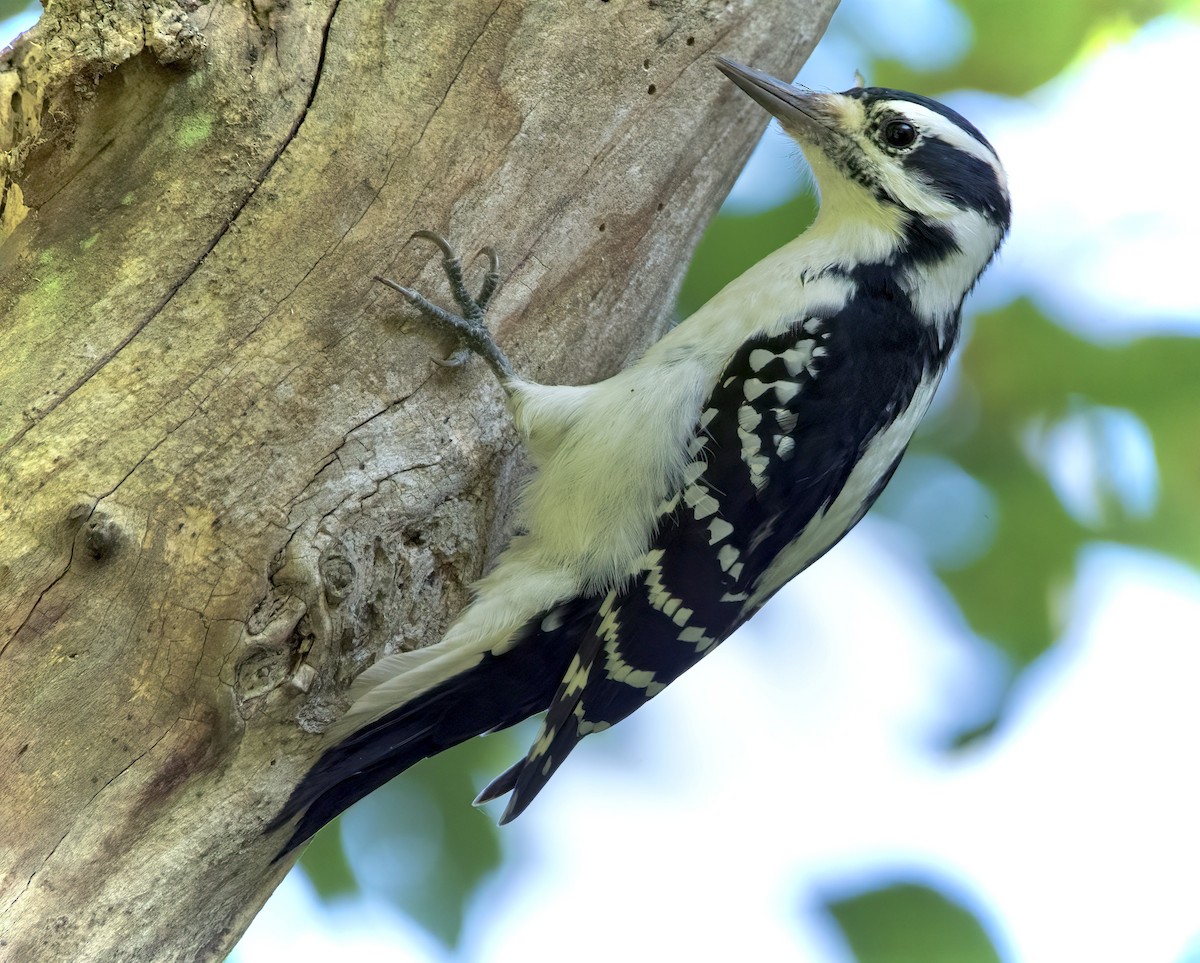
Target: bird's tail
(494, 692)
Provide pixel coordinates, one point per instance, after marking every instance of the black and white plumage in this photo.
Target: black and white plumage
(672, 500)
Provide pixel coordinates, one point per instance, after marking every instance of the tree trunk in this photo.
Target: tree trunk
(229, 474)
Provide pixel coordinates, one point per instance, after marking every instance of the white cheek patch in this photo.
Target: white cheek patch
(910, 191)
(931, 123)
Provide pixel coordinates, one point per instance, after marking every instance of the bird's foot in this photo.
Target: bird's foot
(467, 327)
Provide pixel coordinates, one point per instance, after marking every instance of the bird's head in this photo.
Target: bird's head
(902, 161)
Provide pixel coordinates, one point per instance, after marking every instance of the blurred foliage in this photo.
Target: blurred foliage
(1021, 44)
(911, 923)
(418, 842)
(10, 8)
(1021, 372)
(324, 861)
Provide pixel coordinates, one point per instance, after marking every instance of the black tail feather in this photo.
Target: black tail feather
(499, 691)
(502, 784)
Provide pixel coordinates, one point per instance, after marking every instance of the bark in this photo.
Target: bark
(229, 475)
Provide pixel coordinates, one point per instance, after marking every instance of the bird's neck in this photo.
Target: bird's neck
(847, 234)
(934, 265)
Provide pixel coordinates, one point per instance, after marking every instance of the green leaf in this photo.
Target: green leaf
(911, 923)
(324, 863)
(417, 841)
(10, 8)
(1021, 370)
(1021, 44)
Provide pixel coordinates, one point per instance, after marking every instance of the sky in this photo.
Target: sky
(801, 760)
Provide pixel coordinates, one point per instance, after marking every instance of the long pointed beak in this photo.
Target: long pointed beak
(795, 108)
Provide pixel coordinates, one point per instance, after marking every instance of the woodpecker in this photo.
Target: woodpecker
(672, 500)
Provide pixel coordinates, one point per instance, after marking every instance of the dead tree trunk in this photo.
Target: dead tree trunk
(229, 476)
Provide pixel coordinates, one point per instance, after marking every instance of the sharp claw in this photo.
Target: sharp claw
(437, 239)
(492, 256)
(456, 360)
(407, 292)
(492, 279)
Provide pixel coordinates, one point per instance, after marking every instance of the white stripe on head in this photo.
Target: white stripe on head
(932, 123)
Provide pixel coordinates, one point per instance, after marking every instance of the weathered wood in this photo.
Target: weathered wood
(229, 474)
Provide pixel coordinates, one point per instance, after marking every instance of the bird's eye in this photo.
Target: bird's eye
(900, 133)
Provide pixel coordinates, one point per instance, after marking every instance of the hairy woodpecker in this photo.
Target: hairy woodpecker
(747, 442)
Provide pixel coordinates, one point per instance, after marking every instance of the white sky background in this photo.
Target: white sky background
(800, 760)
